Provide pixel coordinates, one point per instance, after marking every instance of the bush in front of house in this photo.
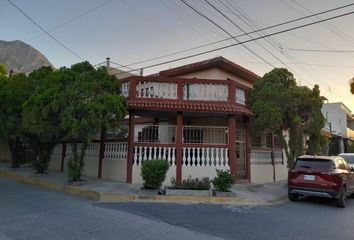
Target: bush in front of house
(192, 183)
(154, 173)
(223, 181)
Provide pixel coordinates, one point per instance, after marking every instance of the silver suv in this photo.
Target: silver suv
(349, 158)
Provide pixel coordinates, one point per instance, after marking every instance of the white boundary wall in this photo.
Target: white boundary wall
(262, 169)
(114, 163)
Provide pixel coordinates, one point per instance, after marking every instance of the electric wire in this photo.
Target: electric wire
(72, 19)
(45, 31)
(269, 40)
(227, 39)
(249, 40)
(331, 27)
(224, 30)
(318, 50)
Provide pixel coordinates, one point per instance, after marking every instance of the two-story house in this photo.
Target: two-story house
(196, 118)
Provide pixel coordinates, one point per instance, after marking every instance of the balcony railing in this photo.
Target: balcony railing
(166, 134)
(205, 135)
(184, 89)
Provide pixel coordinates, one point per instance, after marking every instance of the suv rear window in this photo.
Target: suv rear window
(314, 164)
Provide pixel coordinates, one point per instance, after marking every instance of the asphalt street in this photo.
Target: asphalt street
(27, 212)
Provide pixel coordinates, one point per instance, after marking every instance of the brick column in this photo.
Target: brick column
(179, 148)
(130, 146)
(101, 156)
(232, 144)
(248, 146)
(63, 154)
(273, 157)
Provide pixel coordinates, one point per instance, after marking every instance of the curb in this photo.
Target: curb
(93, 195)
(116, 197)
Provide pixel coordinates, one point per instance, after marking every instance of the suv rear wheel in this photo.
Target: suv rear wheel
(293, 196)
(341, 201)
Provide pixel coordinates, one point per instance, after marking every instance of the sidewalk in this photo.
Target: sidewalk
(102, 190)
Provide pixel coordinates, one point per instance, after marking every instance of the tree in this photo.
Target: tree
(281, 106)
(41, 115)
(313, 119)
(3, 70)
(91, 101)
(14, 91)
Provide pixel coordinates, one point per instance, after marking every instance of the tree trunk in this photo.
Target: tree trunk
(16, 151)
(45, 153)
(76, 163)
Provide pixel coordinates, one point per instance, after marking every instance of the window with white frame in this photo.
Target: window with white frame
(240, 96)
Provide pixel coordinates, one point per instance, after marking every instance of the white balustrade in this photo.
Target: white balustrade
(57, 153)
(157, 90)
(261, 157)
(125, 89)
(149, 153)
(92, 151)
(206, 157)
(116, 151)
(278, 157)
(205, 92)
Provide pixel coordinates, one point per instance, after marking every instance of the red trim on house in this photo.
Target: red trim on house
(179, 147)
(138, 120)
(232, 144)
(152, 144)
(188, 106)
(202, 145)
(130, 147)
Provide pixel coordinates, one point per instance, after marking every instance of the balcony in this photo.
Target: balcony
(178, 94)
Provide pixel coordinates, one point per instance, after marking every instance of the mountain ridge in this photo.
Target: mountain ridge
(21, 57)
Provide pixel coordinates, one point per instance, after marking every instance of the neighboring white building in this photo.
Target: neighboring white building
(341, 122)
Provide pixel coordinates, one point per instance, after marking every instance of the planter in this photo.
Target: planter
(223, 194)
(77, 183)
(185, 192)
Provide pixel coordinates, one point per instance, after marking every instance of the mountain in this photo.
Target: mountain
(21, 57)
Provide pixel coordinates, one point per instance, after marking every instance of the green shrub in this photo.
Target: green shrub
(75, 168)
(223, 181)
(192, 184)
(154, 173)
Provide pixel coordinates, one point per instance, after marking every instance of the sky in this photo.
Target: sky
(131, 31)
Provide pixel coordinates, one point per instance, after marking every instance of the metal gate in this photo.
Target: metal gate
(241, 163)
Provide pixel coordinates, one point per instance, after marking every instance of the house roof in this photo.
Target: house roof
(199, 106)
(120, 74)
(219, 62)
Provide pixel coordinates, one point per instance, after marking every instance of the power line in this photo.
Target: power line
(213, 6)
(227, 39)
(176, 13)
(148, 18)
(203, 28)
(225, 31)
(46, 32)
(250, 40)
(269, 40)
(121, 65)
(72, 19)
(318, 50)
(332, 28)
